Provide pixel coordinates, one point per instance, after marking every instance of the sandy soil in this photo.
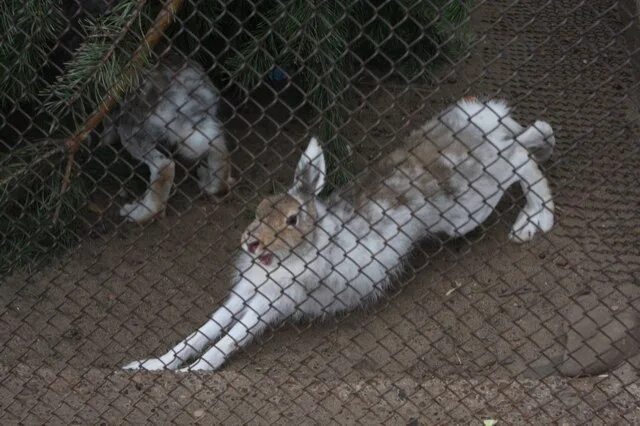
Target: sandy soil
(424, 355)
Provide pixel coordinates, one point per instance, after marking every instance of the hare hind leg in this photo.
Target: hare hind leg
(207, 141)
(539, 140)
(537, 214)
(154, 201)
(215, 176)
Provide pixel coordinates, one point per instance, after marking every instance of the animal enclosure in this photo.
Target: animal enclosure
(292, 211)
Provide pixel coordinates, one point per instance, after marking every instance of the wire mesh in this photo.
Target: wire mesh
(419, 212)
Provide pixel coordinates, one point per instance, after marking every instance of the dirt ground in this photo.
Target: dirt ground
(425, 354)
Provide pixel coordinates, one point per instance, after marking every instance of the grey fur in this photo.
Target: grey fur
(175, 107)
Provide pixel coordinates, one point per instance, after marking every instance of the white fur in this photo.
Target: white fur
(311, 169)
(154, 199)
(176, 106)
(351, 255)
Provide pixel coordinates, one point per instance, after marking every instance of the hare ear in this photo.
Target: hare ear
(311, 170)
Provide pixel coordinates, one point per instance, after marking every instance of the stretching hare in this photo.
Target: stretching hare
(304, 257)
(175, 108)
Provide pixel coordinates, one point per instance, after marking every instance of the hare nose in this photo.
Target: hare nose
(253, 246)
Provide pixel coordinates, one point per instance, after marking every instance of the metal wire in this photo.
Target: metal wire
(314, 212)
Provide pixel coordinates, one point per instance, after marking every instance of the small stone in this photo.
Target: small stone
(198, 413)
(561, 261)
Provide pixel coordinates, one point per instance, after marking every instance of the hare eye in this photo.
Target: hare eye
(292, 220)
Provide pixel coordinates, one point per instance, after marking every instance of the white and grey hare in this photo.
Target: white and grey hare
(174, 109)
(306, 257)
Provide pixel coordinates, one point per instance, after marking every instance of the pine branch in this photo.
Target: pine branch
(28, 27)
(99, 65)
(310, 41)
(152, 37)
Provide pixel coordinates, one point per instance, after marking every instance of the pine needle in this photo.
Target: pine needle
(27, 28)
(101, 63)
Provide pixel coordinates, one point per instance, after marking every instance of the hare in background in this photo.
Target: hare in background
(175, 108)
(305, 257)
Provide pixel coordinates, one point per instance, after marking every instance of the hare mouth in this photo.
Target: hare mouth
(265, 258)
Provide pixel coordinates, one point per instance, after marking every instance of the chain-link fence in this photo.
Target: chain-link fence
(399, 211)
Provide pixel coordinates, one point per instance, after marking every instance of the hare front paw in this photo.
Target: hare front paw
(141, 211)
(151, 364)
(199, 365)
(212, 184)
(527, 225)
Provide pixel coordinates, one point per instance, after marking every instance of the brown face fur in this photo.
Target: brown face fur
(280, 226)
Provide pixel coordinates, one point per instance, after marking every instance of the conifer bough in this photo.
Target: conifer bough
(152, 37)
